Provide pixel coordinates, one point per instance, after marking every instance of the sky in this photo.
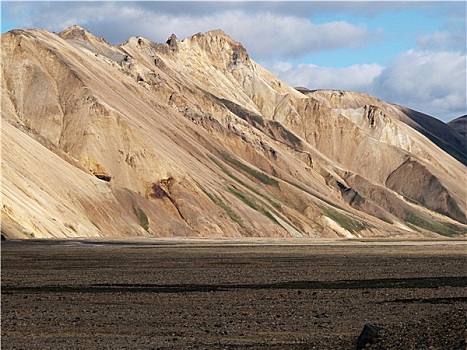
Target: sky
(407, 52)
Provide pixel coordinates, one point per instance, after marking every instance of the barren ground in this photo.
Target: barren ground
(227, 294)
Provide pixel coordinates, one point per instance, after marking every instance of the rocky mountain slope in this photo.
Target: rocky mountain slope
(193, 138)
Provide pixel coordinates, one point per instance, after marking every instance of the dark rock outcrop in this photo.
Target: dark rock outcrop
(368, 335)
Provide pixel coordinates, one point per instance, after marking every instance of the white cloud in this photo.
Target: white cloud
(273, 35)
(429, 81)
(443, 40)
(358, 77)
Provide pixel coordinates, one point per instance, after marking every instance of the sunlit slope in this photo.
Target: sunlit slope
(193, 138)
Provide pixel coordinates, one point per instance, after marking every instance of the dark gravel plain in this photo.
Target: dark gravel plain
(170, 294)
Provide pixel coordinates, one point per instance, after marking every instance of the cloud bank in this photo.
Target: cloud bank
(264, 34)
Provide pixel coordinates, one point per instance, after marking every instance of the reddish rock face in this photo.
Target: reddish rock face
(194, 138)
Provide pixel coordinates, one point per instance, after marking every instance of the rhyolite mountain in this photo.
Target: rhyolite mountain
(193, 138)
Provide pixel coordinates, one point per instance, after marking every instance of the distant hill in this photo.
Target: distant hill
(460, 125)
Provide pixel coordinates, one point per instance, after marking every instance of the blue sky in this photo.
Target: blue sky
(410, 53)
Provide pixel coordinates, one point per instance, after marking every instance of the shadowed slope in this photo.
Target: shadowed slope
(460, 125)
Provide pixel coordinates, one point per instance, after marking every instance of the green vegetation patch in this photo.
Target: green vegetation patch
(343, 220)
(430, 224)
(314, 194)
(225, 170)
(252, 204)
(142, 217)
(252, 189)
(260, 176)
(244, 198)
(247, 200)
(232, 214)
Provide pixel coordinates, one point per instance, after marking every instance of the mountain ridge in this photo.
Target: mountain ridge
(194, 138)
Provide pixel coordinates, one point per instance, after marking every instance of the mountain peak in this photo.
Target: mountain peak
(215, 36)
(214, 33)
(220, 47)
(76, 32)
(172, 41)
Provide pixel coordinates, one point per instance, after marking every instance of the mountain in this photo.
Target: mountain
(460, 125)
(194, 138)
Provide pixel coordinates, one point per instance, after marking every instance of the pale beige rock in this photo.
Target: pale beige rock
(194, 138)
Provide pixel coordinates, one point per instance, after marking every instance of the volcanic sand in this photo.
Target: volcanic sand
(233, 294)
